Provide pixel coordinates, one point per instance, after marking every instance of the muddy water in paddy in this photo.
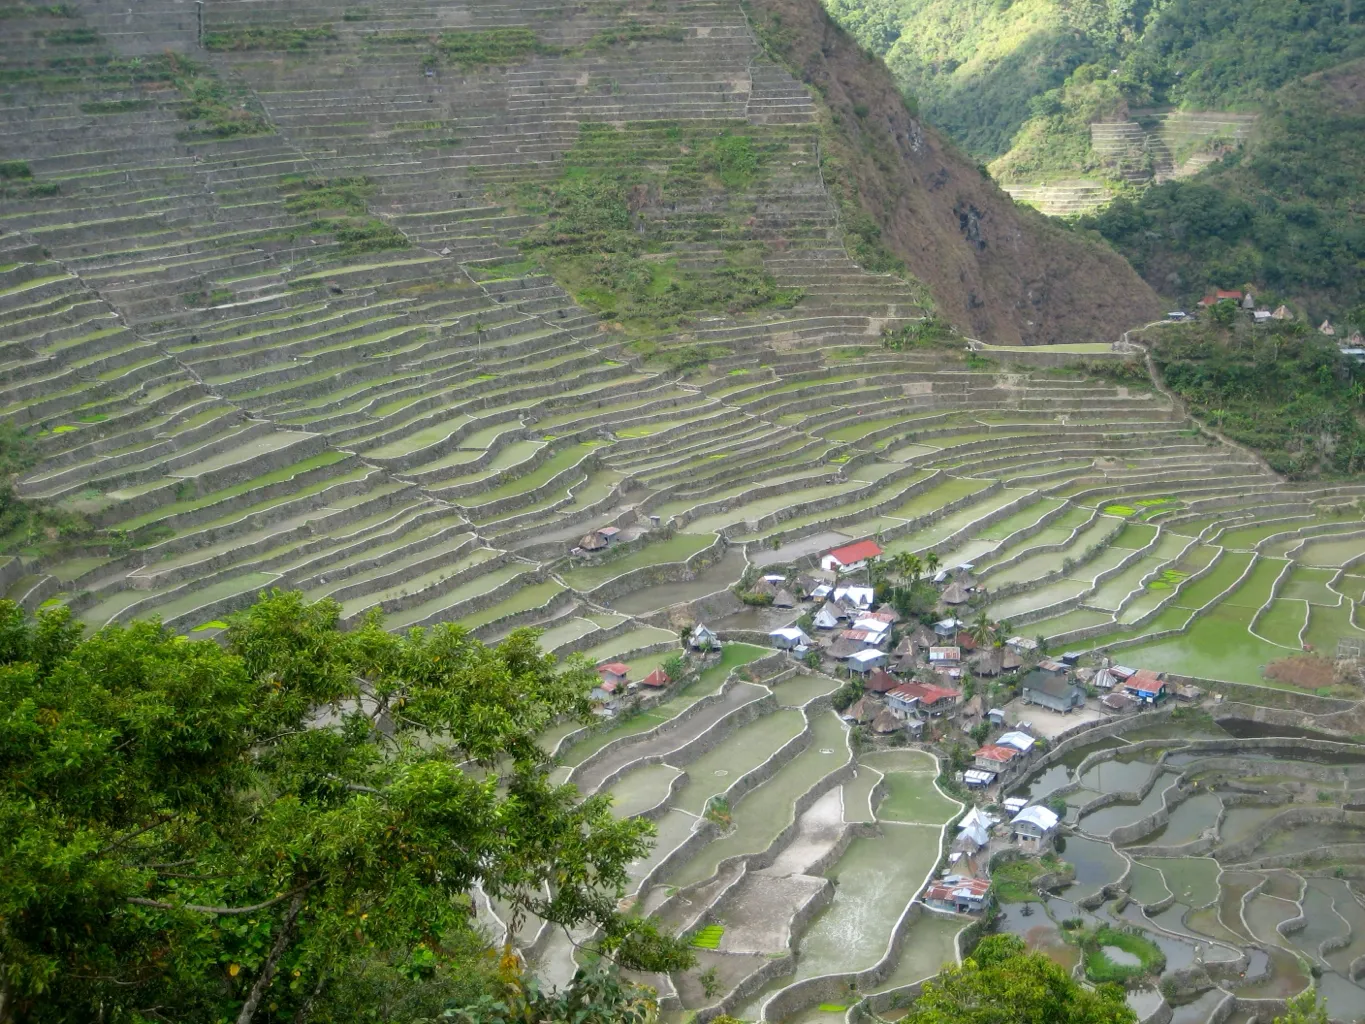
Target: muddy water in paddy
(1241, 822)
(877, 877)
(1345, 1000)
(1052, 778)
(1039, 933)
(1147, 885)
(642, 789)
(1198, 1011)
(930, 943)
(1106, 819)
(1096, 865)
(763, 619)
(1187, 822)
(1118, 776)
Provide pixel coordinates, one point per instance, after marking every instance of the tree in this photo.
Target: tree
(907, 566)
(931, 563)
(876, 570)
(232, 833)
(1304, 1008)
(1002, 983)
(981, 630)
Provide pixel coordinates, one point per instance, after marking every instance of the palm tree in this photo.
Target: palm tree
(907, 566)
(981, 630)
(876, 570)
(932, 562)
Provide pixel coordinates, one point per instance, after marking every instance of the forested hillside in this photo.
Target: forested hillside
(981, 69)
(1281, 214)
(1227, 134)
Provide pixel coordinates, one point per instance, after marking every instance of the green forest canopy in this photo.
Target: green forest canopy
(290, 827)
(981, 68)
(1282, 389)
(1282, 213)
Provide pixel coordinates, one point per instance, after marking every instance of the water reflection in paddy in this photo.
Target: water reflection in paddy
(1144, 1001)
(1198, 1011)
(1106, 819)
(1046, 782)
(1096, 865)
(1073, 758)
(1187, 821)
(1114, 776)
(1242, 822)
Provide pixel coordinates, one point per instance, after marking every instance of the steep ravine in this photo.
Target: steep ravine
(997, 271)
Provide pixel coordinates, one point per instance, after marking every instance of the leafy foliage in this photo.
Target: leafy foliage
(290, 824)
(1283, 390)
(981, 69)
(213, 108)
(1304, 1008)
(1099, 967)
(26, 527)
(930, 332)
(1002, 982)
(1282, 214)
(339, 207)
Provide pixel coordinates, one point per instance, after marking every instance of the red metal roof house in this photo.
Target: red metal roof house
(850, 557)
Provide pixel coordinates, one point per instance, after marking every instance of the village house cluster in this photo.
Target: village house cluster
(911, 677)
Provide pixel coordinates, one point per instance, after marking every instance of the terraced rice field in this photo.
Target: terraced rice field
(1260, 883)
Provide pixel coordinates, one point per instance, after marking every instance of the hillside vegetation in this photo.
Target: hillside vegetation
(996, 270)
(1282, 213)
(982, 69)
(1283, 390)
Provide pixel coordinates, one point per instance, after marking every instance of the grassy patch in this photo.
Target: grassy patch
(488, 47)
(607, 234)
(267, 37)
(931, 332)
(304, 195)
(213, 108)
(636, 33)
(708, 937)
(1101, 967)
(72, 37)
(114, 106)
(339, 207)
(1014, 881)
(37, 11)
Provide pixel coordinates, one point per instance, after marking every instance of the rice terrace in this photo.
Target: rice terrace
(558, 314)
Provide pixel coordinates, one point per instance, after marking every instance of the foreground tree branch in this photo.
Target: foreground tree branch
(267, 974)
(162, 905)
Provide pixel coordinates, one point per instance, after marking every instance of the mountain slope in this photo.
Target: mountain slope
(996, 75)
(996, 270)
(1283, 214)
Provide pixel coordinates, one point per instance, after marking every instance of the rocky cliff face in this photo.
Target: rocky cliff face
(998, 271)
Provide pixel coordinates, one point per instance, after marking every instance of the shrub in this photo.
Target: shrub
(267, 37)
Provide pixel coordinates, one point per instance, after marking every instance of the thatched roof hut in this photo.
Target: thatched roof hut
(955, 593)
